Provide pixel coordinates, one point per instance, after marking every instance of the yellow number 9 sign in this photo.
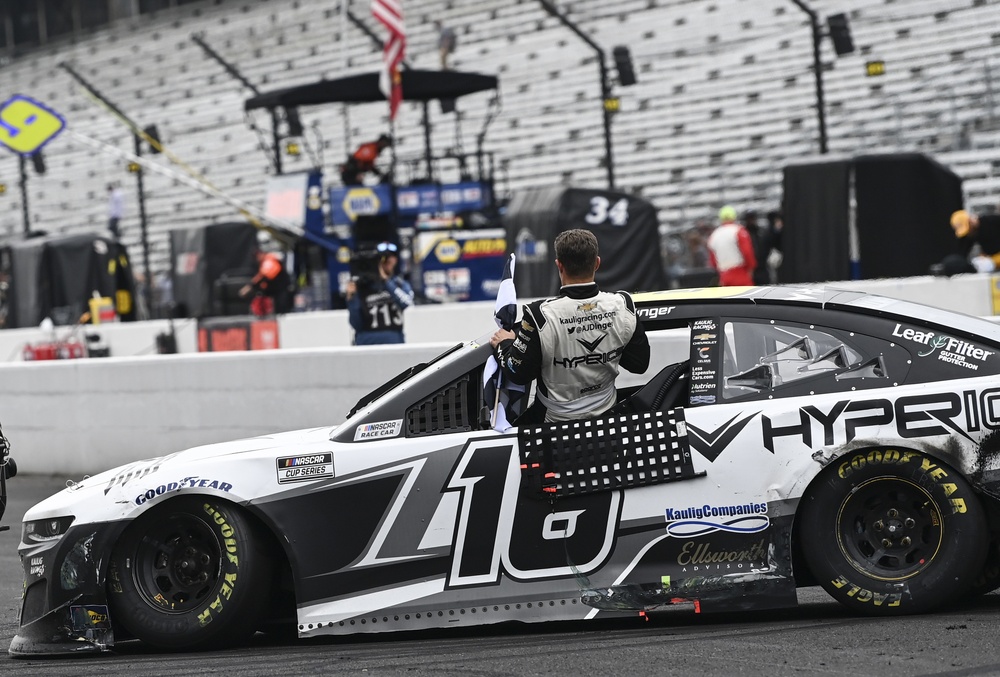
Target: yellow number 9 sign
(26, 125)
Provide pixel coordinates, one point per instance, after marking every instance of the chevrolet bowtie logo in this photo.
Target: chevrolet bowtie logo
(591, 346)
(586, 307)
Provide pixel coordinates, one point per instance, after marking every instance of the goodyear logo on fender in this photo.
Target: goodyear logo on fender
(26, 125)
(484, 247)
(448, 251)
(361, 202)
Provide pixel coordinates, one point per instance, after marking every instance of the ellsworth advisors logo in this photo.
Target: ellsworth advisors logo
(747, 518)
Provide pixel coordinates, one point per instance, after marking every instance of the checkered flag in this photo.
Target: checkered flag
(503, 398)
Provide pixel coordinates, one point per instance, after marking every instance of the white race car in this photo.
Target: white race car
(811, 437)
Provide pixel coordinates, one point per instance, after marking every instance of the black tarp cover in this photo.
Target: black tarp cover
(57, 276)
(815, 238)
(629, 250)
(418, 85)
(903, 203)
(202, 256)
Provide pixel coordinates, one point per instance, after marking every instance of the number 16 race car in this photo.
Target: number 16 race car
(811, 436)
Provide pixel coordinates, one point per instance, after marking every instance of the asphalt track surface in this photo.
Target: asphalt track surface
(817, 638)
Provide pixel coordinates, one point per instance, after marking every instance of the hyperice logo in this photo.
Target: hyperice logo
(748, 518)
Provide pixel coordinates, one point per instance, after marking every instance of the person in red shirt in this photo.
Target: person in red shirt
(730, 251)
(271, 284)
(363, 161)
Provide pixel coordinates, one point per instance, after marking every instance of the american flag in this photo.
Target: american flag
(390, 14)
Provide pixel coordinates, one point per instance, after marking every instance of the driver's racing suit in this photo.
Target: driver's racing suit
(573, 345)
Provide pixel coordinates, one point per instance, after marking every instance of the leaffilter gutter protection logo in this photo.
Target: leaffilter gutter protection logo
(949, 349)
(748, 518)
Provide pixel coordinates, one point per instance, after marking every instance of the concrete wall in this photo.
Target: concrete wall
(78, 417)
(969, 294)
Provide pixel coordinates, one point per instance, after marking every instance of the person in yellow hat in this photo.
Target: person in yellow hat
(730, 251)
(979, 242)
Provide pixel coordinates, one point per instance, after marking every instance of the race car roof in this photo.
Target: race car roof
(658, 306)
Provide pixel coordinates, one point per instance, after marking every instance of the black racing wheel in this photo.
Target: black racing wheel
(190, 574)
(888, 531)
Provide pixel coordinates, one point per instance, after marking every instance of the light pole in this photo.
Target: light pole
(235, 73)
(26, 213)
(606, 101)
(143, 226)
(818, 68)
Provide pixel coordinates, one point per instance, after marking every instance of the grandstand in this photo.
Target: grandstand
(725, 98)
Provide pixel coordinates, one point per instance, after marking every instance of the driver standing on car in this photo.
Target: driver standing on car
(574, 344)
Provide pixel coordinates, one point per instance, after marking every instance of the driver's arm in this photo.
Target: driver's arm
(521, 357)
(635, 356)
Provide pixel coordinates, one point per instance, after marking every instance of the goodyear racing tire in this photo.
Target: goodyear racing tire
(989, 578)
(888, 531)
(190, 574)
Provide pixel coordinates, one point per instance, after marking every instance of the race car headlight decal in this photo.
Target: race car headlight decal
(40, 531)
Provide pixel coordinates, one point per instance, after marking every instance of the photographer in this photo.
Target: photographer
(377, 297)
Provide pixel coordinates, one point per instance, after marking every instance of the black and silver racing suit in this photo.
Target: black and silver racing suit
(573, 345)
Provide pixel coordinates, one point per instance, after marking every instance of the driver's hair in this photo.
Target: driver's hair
(576, 250)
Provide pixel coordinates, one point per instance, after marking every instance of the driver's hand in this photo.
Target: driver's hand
(501, 335)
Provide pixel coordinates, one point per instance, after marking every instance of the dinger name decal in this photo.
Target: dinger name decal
(748, 518)
(379, 430)
(186, 483)
(949, 349)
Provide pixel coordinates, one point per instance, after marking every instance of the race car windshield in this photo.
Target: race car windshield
(402, 377)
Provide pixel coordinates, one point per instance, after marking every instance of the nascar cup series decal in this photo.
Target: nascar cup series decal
(378, 431)
(748, 518)
(306, 467)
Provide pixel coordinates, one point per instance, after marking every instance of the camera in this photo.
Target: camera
(364, 265)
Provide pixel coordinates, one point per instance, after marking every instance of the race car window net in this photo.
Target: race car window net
(450, 410)
(764, 356)
(605, 454)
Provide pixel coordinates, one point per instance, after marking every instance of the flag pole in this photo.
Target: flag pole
(496, 401)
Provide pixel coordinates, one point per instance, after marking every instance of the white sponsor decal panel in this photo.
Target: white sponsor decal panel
(379, 430)
(306, 467)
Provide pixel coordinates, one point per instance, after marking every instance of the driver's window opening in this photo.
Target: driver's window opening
(759, 357)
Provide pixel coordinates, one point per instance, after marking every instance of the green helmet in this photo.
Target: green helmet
(727, 214)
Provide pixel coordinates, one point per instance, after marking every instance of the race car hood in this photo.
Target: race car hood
(233, 470)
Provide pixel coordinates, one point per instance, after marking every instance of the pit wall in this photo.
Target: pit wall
(77, 417)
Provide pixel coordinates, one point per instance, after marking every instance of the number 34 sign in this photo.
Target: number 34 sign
(26, 125)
